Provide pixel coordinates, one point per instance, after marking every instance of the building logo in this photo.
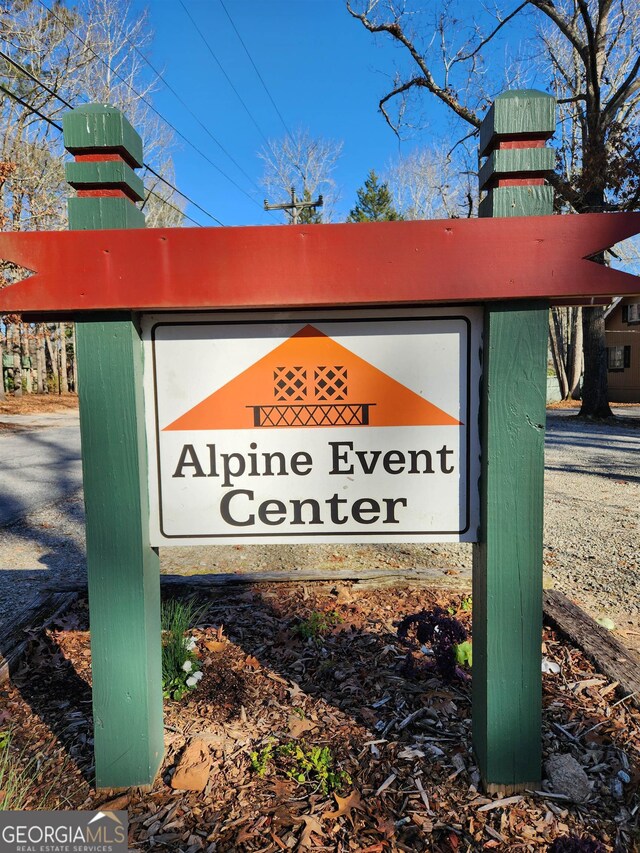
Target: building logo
(310, 380)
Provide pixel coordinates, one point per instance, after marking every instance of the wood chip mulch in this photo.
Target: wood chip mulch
(401, 733)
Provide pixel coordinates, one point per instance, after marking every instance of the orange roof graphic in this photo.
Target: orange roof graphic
(310, 380)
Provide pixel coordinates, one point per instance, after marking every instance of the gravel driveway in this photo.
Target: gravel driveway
(592, 528)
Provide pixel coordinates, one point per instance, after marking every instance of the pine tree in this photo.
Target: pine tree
(374, 203)
(309, 215)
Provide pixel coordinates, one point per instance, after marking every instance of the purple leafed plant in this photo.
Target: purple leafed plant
(441, 631)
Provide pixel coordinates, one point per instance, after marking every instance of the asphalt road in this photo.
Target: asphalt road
(40, 462)
(41, 456)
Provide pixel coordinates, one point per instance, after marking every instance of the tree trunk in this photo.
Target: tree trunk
(53, 358)
(2, 394)
(577, 357)
(33, 355)
(40, 361)
(595, 387)
(556, 352)
(16, 350)
(74, 363)
(62, 337)
(24, 356)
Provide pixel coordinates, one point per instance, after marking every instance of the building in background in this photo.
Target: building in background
(622, 325)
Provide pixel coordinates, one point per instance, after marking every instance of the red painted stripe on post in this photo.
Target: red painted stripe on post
(99, 157)
(519, 181)
(102, 193)
(521, 142)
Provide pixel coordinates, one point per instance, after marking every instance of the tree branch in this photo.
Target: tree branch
(565, 27)
(488, 38)
(628, 87)
(427, 80)
(580, 97)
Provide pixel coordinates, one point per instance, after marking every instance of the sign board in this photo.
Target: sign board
(333, 426)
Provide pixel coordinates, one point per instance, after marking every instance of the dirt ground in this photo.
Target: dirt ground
(397, 731)
(35, 404)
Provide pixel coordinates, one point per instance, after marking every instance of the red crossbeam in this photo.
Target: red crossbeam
(460, 260)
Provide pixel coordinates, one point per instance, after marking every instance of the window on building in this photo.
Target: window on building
(631, 313)
(618, 357)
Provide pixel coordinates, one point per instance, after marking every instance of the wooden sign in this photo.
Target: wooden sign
(272, 267)
(328, 427)
(257, 440)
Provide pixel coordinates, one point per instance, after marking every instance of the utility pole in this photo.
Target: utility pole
(294, 207)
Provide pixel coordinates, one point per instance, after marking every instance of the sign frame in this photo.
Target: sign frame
(470, 321)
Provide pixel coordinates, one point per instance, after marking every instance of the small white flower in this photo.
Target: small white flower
(187, 666)
(190, 644)
(197, 675)
(191, 681)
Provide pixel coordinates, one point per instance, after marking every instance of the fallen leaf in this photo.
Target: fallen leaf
(252, 662)
(311, 825)
(283, 788)
(298, 726)
(216, 646)
(193, 768)
(346, 805)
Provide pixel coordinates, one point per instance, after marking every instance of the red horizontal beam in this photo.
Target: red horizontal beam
(460, 260)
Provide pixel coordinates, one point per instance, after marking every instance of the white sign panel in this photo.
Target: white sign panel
(325, 428)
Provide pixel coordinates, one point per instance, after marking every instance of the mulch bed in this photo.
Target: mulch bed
(400, 732)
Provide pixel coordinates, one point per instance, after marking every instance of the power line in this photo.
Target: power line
(255, 68)
(173, 207)
(191, 112)
(58, 127)
(175, 189)
(31, 109)
(62, 100)
(226, 76)
(148, 104)
(40, 83)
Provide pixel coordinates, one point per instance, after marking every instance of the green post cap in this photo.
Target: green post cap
(100, 127)
(521, 112)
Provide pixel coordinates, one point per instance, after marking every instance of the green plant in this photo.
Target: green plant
(260, 760)
(317, 624)
(313, 765)
(21, 775)
(464, 654)
(181, 670)
(466, 603)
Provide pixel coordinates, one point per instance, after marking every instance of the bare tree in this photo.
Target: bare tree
(592, 57)
(430, 184)
(304, 162)
(59, 57)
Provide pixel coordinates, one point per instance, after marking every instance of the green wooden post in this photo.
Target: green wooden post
(123, 570)
(507, 565)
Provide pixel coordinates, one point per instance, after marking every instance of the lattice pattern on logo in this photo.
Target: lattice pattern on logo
(305, 416)
(290, 383)
(330, 383)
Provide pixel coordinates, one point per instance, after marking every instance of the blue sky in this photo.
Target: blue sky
(323, 70)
